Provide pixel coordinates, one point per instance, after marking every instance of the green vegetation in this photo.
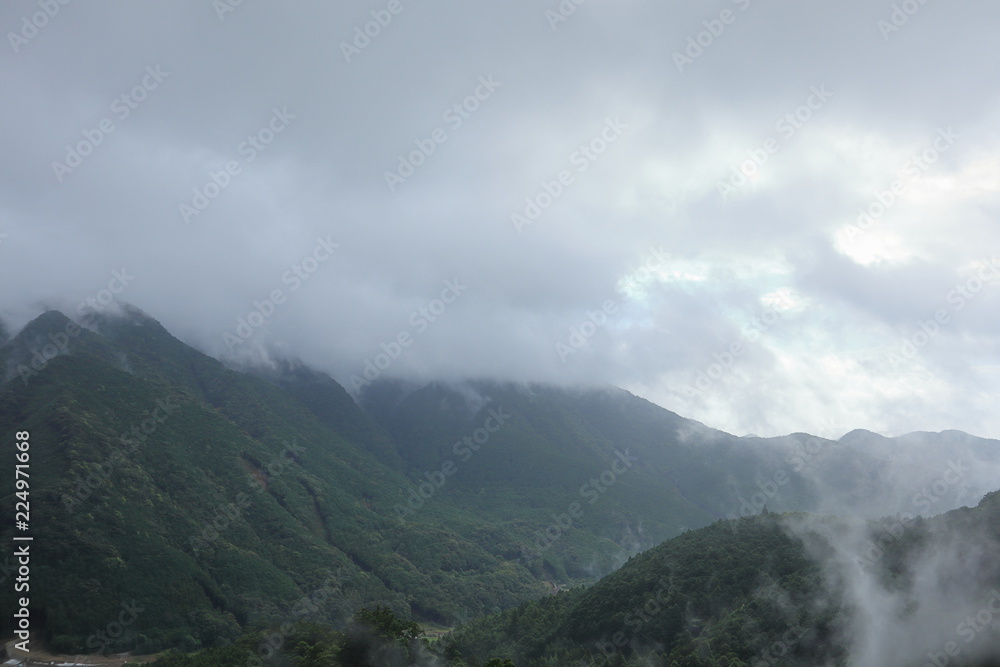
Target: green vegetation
(374, 636)
(216, 501)
(230, 517)
(740, 593)
(716, 596)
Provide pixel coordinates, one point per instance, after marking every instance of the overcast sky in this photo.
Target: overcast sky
(698, 171)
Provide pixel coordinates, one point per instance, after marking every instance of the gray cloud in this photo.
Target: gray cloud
(656, 185)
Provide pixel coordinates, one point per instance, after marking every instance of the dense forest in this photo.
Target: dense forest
(738, 593)
(234, 512)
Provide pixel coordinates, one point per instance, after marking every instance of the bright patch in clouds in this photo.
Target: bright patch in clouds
(787, 269)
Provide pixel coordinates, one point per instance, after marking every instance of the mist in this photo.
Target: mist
(915, 591)
(614, 192)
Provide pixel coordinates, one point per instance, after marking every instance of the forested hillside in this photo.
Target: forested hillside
(215, 501)
(222, 502)
(792, 589)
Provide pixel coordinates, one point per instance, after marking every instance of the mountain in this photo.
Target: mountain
(793, 590)
(220, 500)
(684, 474)
(213, 499)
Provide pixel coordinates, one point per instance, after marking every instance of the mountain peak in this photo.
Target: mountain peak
(121, 313)
(50, 328)
(860, 434)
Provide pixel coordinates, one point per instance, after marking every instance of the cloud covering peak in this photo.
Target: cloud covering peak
(762, 216)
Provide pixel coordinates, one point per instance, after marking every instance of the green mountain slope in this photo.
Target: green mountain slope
(213, 500)
(219, 500)
(559, 442)
(774, 590)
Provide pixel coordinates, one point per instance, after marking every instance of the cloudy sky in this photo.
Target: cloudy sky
(665, 196)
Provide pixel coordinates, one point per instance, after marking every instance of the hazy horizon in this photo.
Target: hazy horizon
(767, 218)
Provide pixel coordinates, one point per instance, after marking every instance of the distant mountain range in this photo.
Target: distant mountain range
(219, 499)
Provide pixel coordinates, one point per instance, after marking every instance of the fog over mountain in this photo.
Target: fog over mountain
(661, 196)
(725, 277)
(940, 606)
(184, 484)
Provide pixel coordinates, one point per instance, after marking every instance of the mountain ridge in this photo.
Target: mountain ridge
(409, 495)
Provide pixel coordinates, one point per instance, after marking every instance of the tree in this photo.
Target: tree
(385, 623)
